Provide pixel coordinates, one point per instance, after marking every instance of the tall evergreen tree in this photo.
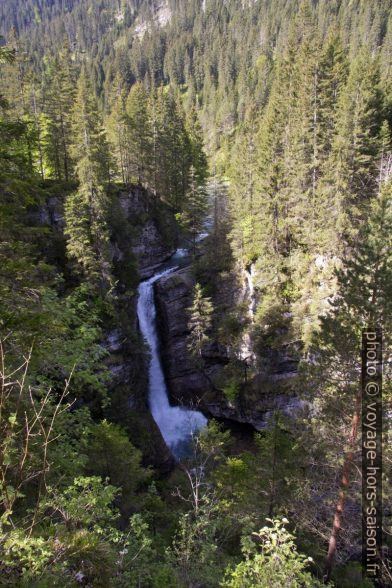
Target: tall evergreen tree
(59, 96)
(194, 208)
(351, 178)
(332, 374)
(86, 209)
(172, 149)
(243, 203)
(197, 154)
(200, 319)
(117, 126)
(138, 135)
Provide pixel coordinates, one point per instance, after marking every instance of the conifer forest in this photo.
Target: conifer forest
(195, 233)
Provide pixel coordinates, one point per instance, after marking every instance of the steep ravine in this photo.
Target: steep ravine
(144, 237)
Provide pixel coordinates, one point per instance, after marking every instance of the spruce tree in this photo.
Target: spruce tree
(59, 96)
(200, 319)
(172, 149)
(333, 370)
(194, 208)
(351, 176)
(118, 130)
(197, 154)
(243, 203)
(266, 228)
(86, 210)
(138, 135)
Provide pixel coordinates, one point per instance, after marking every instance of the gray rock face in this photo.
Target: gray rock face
(173, 297)
(197, 388)
(149, 249)
(128, 391)
(51, 213)
(152, 222)
(134, 202)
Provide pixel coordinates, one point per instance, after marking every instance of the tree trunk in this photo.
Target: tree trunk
(344, 484)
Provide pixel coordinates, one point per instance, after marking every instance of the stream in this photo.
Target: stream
(177, 424)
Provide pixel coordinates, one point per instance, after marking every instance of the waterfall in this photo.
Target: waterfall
(176, 424)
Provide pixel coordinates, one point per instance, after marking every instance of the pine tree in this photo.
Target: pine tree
(22, 94)
(351, 177)
(320, 75)
(7, 55)
(218, 255)
(243, 204)
(117, 126)
(172, 149)
(301, 145)
(332, 375)
(197, 154)
(267, 228)
(272, 202)
(334, 69)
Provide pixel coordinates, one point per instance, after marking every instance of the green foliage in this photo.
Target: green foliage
(138, 135)
(353, 166)
(271, 559)
(111, 455)
(351, 575)
(199, 322)
(57, 526)
(231, 389)
(260, 481)
(172, 149)
(58, 99)
(293, 102)
(194, 209)
(330, 372)
(194, 552)
(86, 210)
(87, 503)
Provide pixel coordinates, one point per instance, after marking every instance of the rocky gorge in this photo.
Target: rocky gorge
(144, 237)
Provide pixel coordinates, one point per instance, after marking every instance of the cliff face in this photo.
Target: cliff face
(190, 386)
(128, 392)
(143, 227)
(151, 230)
(187, 385)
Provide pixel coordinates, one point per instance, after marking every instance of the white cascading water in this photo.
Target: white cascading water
(176, 424)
